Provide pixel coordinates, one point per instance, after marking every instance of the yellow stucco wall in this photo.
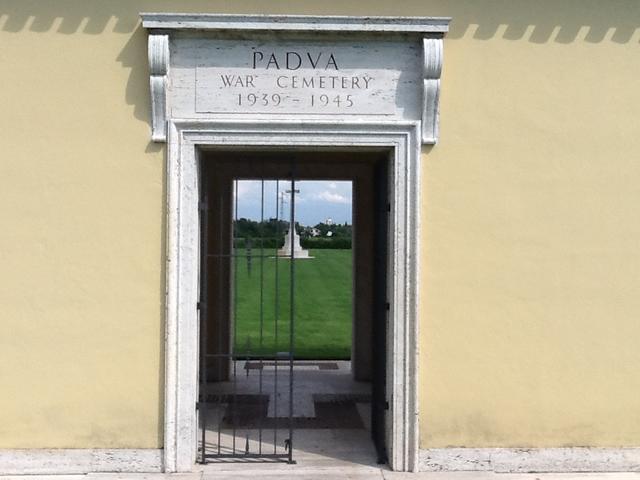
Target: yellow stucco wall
(529, 266)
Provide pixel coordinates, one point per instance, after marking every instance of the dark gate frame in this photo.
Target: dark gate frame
(367, 169)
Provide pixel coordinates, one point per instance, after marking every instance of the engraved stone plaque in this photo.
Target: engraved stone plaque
(288, 77)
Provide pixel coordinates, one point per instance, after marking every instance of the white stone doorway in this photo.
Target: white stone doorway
(187, 141)
(187, 116)
(256, 402)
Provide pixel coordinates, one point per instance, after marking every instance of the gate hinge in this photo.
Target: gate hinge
(388, 207)
(386, 405)
(387, 306)
(201, 305)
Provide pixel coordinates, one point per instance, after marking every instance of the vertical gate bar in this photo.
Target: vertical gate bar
(277, 313)
(261, 301)
(292, 227)
(220, 361)
(204, 266)
(235, 309)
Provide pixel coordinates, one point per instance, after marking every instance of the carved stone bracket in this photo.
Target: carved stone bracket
(158, 70)
(432, 51)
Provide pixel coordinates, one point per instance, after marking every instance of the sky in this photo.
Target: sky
(317, 200)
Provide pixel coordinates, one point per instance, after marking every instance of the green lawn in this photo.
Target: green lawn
(322, 305)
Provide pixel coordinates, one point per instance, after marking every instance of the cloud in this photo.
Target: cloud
(317, 200)
(248, 190)
(331, 197)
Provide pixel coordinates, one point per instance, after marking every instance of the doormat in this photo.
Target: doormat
(332, 412)
(285, 364)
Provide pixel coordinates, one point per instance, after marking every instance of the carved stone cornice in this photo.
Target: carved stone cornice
(294, 23)
(427, 32)
(158, 71)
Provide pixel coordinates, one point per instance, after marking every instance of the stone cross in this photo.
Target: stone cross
(282, 199)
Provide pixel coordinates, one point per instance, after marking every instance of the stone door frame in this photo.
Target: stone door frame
(185, 137)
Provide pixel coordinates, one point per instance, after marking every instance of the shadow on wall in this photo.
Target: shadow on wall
(541, 21)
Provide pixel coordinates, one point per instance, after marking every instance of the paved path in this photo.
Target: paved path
(320, 473)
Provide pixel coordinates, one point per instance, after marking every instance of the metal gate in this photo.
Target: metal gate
(247, 322)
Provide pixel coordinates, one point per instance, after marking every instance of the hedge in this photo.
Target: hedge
(308, 243)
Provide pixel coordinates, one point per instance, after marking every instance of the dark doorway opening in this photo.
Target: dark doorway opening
(258, 400)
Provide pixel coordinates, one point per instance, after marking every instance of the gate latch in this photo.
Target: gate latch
(287, 444)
